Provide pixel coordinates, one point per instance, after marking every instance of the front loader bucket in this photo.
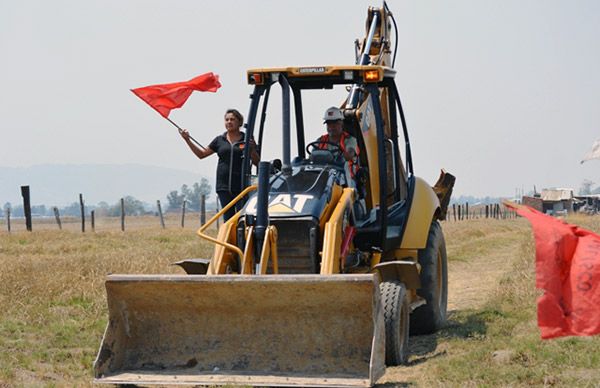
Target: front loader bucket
(271, 330)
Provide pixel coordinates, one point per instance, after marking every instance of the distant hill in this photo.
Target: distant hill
(58, 185)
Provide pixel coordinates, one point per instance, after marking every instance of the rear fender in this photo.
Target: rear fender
(424, 205)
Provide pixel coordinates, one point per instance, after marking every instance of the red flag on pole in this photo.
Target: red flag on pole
(165, 97)
(568, 270)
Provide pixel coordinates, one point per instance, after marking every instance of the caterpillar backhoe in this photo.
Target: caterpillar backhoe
(322, 275)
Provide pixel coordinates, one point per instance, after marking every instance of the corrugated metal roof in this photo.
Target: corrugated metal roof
(557, 194)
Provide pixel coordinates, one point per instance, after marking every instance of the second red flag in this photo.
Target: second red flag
(568, 270)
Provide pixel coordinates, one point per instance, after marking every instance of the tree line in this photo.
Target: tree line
(133, 206)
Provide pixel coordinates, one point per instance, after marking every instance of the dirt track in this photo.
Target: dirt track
(470, 283)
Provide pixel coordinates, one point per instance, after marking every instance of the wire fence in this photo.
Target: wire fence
(92, 221)
(461, 212)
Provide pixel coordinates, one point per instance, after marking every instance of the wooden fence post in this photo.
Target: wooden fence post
(183, 213)
(467, 210)
(160, 213)
(454, 211)
(202, 209)
(8, 218)
(459, 212)
(93, 212)
(57, 217)
(122, 215)
(82, 209)
(26, 206)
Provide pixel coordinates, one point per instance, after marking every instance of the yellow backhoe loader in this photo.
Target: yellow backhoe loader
(322, 275)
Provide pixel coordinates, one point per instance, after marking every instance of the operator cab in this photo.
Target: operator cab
(372, 114)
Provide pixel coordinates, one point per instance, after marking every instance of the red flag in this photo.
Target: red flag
(165, 97)
(568, 270)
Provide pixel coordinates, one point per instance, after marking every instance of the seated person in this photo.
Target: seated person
(347, 144)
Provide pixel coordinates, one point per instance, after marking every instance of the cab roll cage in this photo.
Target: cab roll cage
(372, 89)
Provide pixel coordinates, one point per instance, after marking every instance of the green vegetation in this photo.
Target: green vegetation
(191, 195)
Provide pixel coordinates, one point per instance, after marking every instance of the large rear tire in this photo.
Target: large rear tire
(431, 316)
(396, 312)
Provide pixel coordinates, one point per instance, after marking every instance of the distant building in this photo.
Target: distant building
(557, 201)
(534, 202)
(587, 203)
(552, 201)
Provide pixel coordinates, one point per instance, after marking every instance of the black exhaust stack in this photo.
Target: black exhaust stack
(285, 115)
(262, 212)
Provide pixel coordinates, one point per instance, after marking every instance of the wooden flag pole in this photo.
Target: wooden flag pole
(181, 130)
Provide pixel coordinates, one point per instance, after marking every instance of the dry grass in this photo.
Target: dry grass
(497, 343)
(52, 295)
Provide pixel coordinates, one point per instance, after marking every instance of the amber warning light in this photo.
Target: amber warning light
(371, 75)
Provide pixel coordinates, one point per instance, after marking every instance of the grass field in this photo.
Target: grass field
(496, 342)
(54, 312)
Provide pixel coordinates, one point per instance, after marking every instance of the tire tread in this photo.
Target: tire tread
(393, 295)
(428, 318)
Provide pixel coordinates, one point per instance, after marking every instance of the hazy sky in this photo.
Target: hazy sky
(503, 94)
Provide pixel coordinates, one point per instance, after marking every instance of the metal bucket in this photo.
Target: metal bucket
(281, 330)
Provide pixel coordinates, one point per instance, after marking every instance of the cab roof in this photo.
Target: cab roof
(321, 76)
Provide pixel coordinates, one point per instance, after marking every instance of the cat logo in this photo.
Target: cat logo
(282, 203)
